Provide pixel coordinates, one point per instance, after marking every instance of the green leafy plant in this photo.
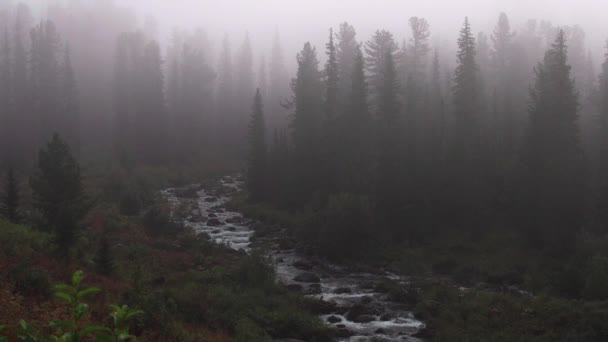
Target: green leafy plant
(72, 330)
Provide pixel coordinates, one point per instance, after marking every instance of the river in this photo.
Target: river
(360, 312)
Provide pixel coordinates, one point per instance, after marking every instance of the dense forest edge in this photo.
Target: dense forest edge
(483, 181)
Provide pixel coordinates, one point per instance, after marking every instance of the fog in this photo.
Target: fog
(300, 21)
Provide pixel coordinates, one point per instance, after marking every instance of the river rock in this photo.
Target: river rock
(344, 333)
(214, 222)
(307, 277)
(359, 310)
(212, 215)
(363, 319)
(302, 265)
(380, 331)
(313, 289)
(234, 220)
(211, 199)
(343, 290)
(231, 229)
(334, 319)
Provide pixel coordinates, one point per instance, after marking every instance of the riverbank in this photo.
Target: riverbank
(489, 287)
(355, 304)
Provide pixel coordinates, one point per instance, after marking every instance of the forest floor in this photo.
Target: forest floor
(189, 288)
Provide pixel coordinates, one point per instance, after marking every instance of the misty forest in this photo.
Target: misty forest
(426, 183)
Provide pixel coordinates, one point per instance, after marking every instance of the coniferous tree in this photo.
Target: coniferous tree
(552, 155)
(390, 151)
(58, 194)
(356, 146)
(263, 78)
(7, 113)
(151, 117)
(257, 169)
(69, 104)
(466, 96)
(10, 201)
(603, 122)
(103, 258)
(331, 112)
(346, 53)
(377, 48)
(307, 123)
(501, 62)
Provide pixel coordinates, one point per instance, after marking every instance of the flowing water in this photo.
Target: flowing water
(360, 313)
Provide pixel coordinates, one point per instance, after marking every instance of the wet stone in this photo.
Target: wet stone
(214, 222)
(307, 278)
(334, 319)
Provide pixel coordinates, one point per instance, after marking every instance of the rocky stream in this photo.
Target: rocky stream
(359, 311)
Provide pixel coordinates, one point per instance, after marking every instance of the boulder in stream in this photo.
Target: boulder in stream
(214, 222)
(302, 265)
(343, 290)
(307, 277)
(211, 199)
(334, 319)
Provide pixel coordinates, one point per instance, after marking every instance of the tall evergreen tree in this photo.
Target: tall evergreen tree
(466, 96)
(356, 143)
(58, 194)
(151, 118)
(331, 115)
(552, 156)
(257, 169)
(377, 48)
(307, 123)
(69, 107)
(225, 91)
(390, 151)
(346, 53)
(501, 62)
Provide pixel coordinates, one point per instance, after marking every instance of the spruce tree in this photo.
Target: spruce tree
(356, 146)
(346, 50)
(307, 123)
(278, 86)
(466, 94)
(57, 192)
(552, 155)
(390, 152)
(257, 168)
(103, 258)
(377, 48)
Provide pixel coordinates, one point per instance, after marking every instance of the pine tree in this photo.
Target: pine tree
(377, 48)
(7, 113)
(58, 193)
(69, 104)
(552, 155)
(501, 62)
(307, 123)
(466, 96)
(356, 145)
(103, 259)
(346, 50)
(330, 132)
(257, 169)
(263, 78)
(151, 118)
(11, 197)
(390, 151)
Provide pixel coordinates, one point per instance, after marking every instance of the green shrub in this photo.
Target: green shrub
(21, 241)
